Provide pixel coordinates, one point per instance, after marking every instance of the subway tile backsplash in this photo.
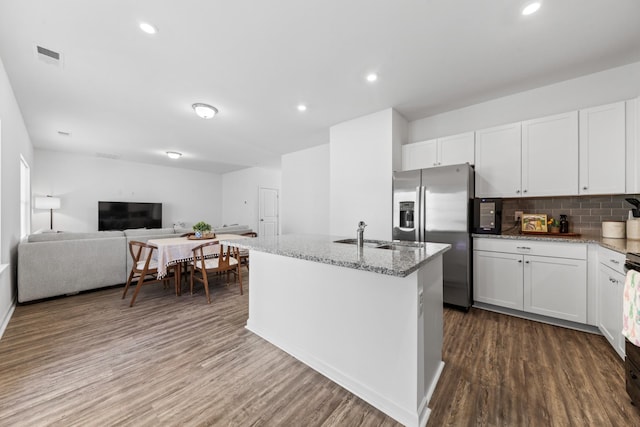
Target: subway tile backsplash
(585, 213)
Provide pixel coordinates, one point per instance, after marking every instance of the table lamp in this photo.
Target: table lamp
(50, 203)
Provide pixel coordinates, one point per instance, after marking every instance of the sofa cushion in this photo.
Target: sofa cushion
(148, 231)
(232, 229)
(55, 237)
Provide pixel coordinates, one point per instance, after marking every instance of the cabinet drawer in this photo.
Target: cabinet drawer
(532, 247)
(612, 259)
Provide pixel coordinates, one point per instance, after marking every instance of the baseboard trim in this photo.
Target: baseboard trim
(7, 317)
(538, 318)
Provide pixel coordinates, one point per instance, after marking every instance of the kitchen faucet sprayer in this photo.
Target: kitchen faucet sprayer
(361, 226)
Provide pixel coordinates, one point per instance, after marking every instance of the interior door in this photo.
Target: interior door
(268, 212)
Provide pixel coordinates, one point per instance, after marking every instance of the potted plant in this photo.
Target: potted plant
(202, 229)
(554, 225)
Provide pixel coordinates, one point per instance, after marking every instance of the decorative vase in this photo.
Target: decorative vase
(554, 229)
(198, 234)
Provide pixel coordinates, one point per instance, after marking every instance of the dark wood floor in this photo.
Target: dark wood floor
(89, 359)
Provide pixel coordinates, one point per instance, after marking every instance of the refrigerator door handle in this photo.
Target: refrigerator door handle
(423, 214)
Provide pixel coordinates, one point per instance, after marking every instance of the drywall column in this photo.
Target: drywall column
(363, 155)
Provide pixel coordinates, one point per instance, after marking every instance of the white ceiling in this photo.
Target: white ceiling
(126, 94)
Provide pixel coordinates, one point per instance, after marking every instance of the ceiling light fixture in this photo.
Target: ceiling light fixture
(531, 8)
(148, 28)
(174, 154)
(302, 107)
(372, 77)
(204, 110)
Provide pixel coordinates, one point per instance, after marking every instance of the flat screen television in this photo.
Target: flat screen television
(125, 215)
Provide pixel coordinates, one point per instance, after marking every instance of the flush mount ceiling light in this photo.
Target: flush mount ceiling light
(174, 154)
(302, 107)
(531, 8)
(204, 110)
(148, 28)
(372, 77)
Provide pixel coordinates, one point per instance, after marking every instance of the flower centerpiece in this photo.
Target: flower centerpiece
(554, 225)
(203, 230)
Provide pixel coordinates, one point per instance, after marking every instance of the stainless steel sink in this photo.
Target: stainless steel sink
(394, 246)
(367, 243)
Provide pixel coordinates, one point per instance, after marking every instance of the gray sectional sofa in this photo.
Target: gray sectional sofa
(53, 264)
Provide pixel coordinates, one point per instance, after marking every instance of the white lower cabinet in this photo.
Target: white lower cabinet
(545, 278)
(610, 288)
(556, 287)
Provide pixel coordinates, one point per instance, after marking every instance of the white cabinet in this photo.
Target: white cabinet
(556, 287)
(498, 279)
(450, 150)
(546, 278)
(602, 149)
(610, 288)
(498, 161)
(632, 127)
(550, 155)
(529, 159)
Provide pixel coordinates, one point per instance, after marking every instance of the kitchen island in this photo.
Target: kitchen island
(369, 319)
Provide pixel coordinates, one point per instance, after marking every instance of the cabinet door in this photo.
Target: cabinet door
(610, 287)
(497, 279)
(550, 155)
(457, 149)
(420, 155)
(602, 149)
(498, 161)
(556, 287)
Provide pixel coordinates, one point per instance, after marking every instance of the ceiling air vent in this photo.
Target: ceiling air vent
(49, 56)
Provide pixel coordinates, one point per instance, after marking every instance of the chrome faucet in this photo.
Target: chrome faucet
(361, 226)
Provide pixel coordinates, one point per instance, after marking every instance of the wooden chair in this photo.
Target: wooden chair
(145, 269)
(244, 253)
(204, 264)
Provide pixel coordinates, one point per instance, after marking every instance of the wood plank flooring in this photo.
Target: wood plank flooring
(90, 359)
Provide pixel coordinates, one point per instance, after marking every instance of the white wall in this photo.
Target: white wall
(14, 141)
(305, 191)
(615, 84)
(361, 172)
(240, 194)
(81, 181)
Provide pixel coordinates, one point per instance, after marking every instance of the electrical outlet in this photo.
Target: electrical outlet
(518, 215)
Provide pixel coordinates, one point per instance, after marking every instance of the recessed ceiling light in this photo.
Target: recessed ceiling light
(148, 28)
(302, 107)
(205, 111)
(531, 8)
(174, 154)
(372, 77)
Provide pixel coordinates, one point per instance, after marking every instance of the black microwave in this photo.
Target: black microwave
(487, 216)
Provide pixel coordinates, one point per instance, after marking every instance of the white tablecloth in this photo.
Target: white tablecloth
(178, 249)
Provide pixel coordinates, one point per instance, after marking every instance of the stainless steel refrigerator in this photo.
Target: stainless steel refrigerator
(435, 205)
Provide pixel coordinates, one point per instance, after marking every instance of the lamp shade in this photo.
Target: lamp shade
(47, 203)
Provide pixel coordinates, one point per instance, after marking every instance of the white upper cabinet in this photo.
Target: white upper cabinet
(450, 150)
(550, 155)
(420, 155)
(633, 146)
(602, 149)
(457, 149)
(498, 161)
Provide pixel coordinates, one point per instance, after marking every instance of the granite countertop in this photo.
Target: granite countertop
(399, 262)
(619, 245)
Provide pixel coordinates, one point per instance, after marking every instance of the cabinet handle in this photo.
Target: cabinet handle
(525, 248)
(613, 261)
(520, 261)
(517, 191)
(584, 188)
(524, 191)
(435, 164)
(612, 280)
(526, 262)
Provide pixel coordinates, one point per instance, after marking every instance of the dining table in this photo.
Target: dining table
(177, 251)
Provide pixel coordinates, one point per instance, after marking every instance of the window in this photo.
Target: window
(25, 198)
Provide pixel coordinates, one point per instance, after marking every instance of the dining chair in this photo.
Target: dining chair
(144, 268)
(244, 253)
(204, 264)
